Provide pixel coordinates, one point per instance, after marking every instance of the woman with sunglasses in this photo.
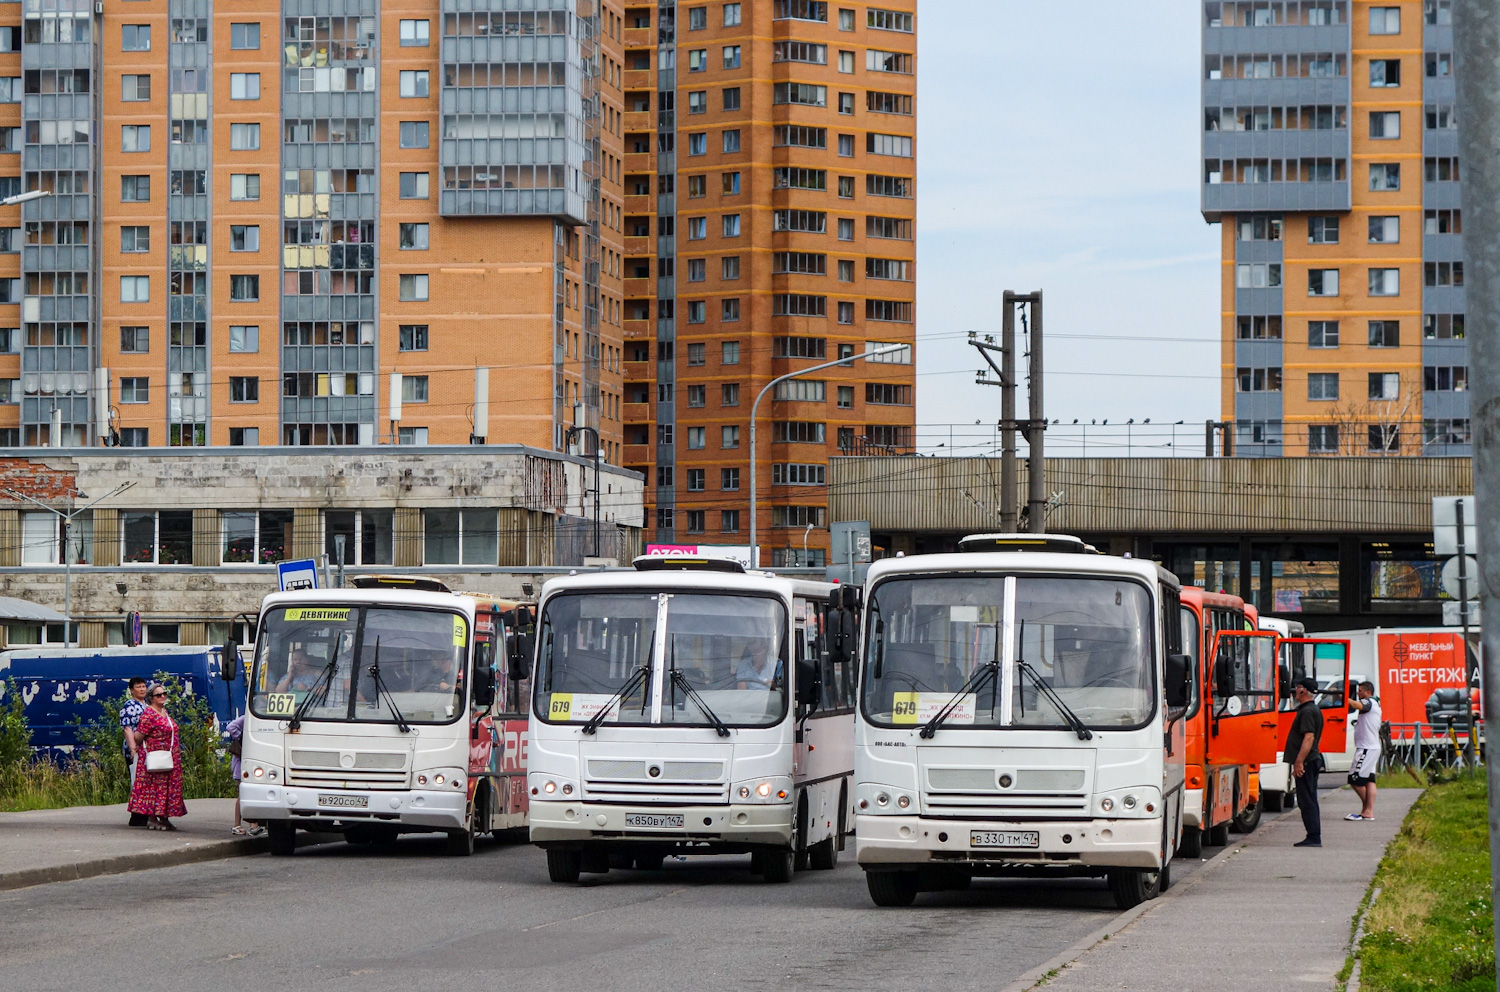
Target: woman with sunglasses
(157, 795)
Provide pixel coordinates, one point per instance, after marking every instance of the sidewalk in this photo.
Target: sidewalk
(1262, 914)
(51, 845)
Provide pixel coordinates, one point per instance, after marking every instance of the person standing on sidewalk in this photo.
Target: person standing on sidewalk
(130, 719)
(1366, 749)
(158, 794)
(1306, 761)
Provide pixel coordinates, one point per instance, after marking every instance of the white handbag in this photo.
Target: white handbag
(162, 761)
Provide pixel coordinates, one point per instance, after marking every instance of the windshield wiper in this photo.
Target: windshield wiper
(381, 690)
(987, 670)
(1077, 725)
(681, 681)
(316, 696)
(638, 677)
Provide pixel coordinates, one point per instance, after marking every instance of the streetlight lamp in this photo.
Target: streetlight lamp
(762, 395)
(67, 523)
(36, 194)
(573, 432)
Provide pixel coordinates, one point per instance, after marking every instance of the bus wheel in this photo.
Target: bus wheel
(1273, 801)
(824, 855)
(1218, 835)
(1133, 886)
(283, 837)
(1248, 818)
(778, 866)
(892, 888)
(1192, 843)
(564, 866)
(461, 841)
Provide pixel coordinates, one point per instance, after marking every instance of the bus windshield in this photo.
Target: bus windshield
(1085, 642)
(311, 655)
(728, 649)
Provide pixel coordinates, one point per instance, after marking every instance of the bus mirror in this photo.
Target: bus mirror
(849, 597)
(1284, 681)
(808, 687)
(484, 682)
(1178, 668)
(229, 661)
(1224, 673)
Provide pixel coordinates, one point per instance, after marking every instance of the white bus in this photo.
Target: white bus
(397, 707)
(691, 707)
(1021, 712)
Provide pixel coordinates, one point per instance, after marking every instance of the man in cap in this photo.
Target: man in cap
(1302, 753)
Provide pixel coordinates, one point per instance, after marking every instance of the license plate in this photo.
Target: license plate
(1004, 838)
(653, 819)
(348, 802)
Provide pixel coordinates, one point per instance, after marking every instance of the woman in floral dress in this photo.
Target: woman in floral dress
(158, 795)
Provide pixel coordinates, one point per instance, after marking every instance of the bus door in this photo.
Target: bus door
(1242, 697)
(1327, 661)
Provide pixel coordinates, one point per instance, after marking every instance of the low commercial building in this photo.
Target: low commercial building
(192, 540)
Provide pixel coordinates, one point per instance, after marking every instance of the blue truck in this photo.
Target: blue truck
(66, 687)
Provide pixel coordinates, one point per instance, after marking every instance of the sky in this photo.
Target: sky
(1059, 150)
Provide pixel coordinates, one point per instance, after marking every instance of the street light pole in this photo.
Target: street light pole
(598, 484)
(66, 521)
(754, 407)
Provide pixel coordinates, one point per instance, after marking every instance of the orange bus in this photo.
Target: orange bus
(1230, 719)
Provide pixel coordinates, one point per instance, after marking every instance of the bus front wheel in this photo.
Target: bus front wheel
(892, 888)
(1133, 886)
(778, 866)
(1192, 843)
(283, 837)
(564, 866)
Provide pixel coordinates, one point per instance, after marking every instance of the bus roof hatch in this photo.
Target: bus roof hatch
(414, 582)
(686, 563)
(1055, 543)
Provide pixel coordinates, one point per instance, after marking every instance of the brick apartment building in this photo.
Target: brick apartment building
(1330, 150)
(770, 173)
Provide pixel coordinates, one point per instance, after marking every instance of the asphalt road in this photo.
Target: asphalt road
(406, 917)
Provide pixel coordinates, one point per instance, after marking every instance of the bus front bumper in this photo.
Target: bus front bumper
(892, 841)
(564, 822)
(429, 809)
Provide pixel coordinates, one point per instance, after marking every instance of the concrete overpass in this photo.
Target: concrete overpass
(1333, 542)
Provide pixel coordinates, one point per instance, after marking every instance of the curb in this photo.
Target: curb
(1078, 948)
(1352, 985)
(211, 851)
(216, 850)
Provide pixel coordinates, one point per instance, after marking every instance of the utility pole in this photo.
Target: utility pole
(1476, 42)
(573, 432)
(1036, 422)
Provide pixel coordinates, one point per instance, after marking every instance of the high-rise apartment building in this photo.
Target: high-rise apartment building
(1330, 158)
(770, 173)
(311, 222)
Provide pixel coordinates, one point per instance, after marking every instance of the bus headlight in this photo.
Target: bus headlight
(773, 789)
(545, 786)
(878, 799)
(1106, 804)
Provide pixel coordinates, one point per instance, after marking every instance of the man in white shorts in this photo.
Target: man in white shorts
(1366, 749)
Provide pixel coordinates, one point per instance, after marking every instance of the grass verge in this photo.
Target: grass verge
(1432, 927)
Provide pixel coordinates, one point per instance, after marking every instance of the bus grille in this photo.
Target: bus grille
(1031, 792)
(347, 769)
(675, 782)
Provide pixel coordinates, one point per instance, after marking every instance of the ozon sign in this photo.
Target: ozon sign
(1412, 666)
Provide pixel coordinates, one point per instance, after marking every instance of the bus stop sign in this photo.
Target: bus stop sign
(294, 575)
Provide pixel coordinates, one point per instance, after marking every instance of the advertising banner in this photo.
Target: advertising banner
(1412, 665)
(734, 552)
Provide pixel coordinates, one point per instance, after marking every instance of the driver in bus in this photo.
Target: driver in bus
(301, 673)
(757, 669)
(436, 675)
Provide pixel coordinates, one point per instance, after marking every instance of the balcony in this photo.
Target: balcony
(639, 121)
(640, 246)
(638, 454)
(635, 413)
(640, 79)
(640, 204)
(640, 371)
(640, 37)
(639, 289)
(640, 162)
(638, 329)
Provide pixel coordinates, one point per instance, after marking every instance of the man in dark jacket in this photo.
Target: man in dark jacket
(1302, 753)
